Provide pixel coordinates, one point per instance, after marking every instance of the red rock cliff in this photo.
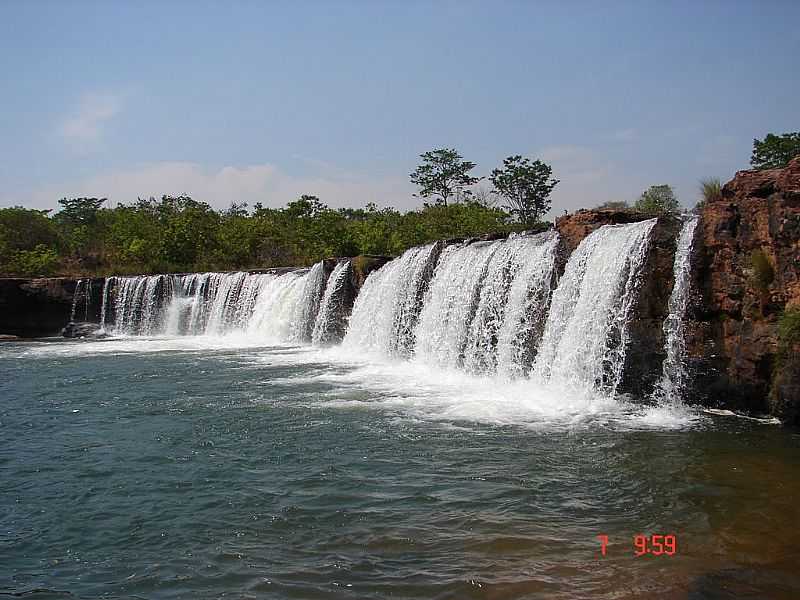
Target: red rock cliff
(747, 273)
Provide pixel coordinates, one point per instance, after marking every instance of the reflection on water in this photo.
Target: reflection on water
(197, 468)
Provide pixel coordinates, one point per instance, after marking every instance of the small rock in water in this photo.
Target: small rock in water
(80, 330)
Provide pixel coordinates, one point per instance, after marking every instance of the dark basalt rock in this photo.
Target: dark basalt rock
(645, 355)
(363, 265)
(40, 307)
(732, 330)
(82, 330)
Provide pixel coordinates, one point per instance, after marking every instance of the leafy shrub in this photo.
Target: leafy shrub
(658, 200)
(711, 189)
(788, 330)
(39, 261)
(763, 272)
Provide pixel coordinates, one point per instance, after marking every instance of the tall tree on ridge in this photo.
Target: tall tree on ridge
(526, 187)
(443, 174)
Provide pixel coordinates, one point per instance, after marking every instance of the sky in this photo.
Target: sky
(256, 101)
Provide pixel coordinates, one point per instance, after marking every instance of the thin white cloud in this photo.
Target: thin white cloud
(625, 135)
(587, 179)
(84, 127)
(265, 183)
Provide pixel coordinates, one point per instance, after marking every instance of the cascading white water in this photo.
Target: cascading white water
(276, 309)
(331, 308)
(585, 338)
(139, 302)
(505, 322)
(308, 306)
(75, 296)
(451, 301)
(386, 309)
(81, 296)
(673, 379)
(527, 307)
(107, 285)
(275, 306)
(486, 307)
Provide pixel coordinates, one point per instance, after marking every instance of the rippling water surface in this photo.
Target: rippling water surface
(202, 468)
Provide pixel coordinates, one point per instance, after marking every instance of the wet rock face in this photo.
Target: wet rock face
(645, 355)
(38, 307)
(747, 271)
(363, 265)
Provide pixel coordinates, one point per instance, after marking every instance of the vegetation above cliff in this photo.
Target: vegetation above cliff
(179, 234)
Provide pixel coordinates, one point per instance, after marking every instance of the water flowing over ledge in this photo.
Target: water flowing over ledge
(487, 308)
(280, 306)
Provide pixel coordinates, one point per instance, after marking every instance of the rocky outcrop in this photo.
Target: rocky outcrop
(574, 227)
(747, 273)
(363, 265)
(40, 307)
(81, 330)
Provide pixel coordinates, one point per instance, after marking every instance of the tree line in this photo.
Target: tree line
(87, 236)
(181, 234)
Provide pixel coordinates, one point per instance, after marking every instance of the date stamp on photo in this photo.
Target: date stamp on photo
(647, 545)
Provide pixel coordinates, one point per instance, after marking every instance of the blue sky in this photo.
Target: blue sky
(259, 101)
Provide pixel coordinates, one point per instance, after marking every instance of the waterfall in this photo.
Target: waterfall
(505, 324)
(585, 337)
(107, 285)
(75, 297)
(282, 304)
(329, 324)
(308, 306)
(140, 302)
(280, 307)
(491, 308)
(673, 379)
(83, 293)
(386, 309)
(527, 308)
(451, 302)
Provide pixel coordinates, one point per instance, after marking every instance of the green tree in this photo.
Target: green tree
(24, 229)
(443, 175)
(526, 187)
(41, 261)
(188, 233)
(775, 151)
(79, 211)
(658, 200)
(78, 220)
